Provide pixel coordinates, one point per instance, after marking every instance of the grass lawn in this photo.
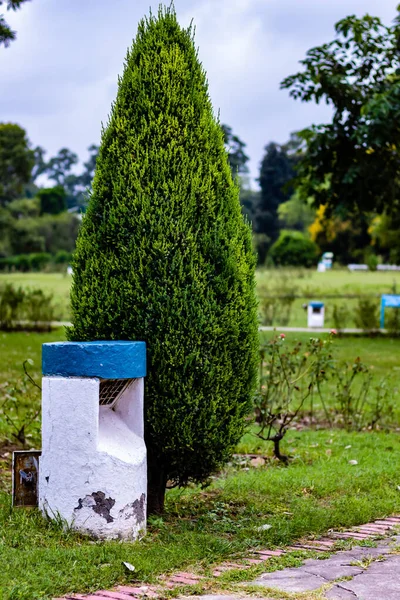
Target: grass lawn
(320, 489)
(275, 282)
(336, 281)
(317, 286)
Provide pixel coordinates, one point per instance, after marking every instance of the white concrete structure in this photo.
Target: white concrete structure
(316, 314)
(93, 471)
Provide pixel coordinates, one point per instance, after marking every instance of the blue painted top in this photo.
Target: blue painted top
(316, 304)
(106, 360)
(390, 300)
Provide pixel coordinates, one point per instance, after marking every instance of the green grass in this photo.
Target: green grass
(24, 399)
(318, 491)
(19, 399)
(312, 285)
(336, 281)
(304, 281)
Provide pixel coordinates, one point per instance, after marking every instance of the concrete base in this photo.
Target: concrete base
(93, 465)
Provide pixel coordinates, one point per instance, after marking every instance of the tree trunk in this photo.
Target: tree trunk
(156, 486)
(277, 451)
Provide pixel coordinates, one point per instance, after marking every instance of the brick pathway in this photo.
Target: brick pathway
(364, 573)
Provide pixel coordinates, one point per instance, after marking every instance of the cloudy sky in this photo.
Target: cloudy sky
(59, 78)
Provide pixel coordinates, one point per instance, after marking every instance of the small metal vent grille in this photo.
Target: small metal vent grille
(111, 390)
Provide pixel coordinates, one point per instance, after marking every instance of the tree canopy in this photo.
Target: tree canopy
(276, 171)
(164, 255)
(236, 155)
(16, 161)
(7, 35)
(358, 153)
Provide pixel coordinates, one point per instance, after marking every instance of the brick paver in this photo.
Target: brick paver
(371, 573)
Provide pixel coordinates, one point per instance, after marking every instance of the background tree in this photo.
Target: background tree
(342, 232)
(52, 200)
(385, 240)
(236, 155)
(358, 75)
(296, 214)
(40, 165)
(60, 166)
(16, 161)
(89, 167)
(293, 248)
(276, 171)
(164, 256)
(6, 33)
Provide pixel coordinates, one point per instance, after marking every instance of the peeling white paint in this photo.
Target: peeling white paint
(93, 465)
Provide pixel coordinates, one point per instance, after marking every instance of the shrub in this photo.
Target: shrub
(261, 243)
(372, 261)
(38, 261)
(11, 300)
(366, 314)
(293, 248)
(62, 257)
(38, 309)
(25, 309)
(164, 255)
(277, 298)
(52, 200)
(289, 378)
(340, 315)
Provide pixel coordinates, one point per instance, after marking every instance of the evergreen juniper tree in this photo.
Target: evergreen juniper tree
(164, 256)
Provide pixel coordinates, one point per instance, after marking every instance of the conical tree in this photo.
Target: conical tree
(164, 256)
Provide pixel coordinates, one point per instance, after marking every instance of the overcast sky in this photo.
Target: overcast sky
(59, 78)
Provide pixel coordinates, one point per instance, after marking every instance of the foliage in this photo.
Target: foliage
(25, 233)
(10, 408)
(276, 299)
(392, 320)
(277, 169)
(63, 257)
(372, 261)
(341, 316)
(358, 407)
(366, 314)
(250, 200)
(358, 75)
(52, 200)
(6, 33)
(236, 155)
(384, 232)
(206, 527)
(294, 249)
(16, 160)
(287, 380)
(293, 378)
(59, 169)
(164, 256)
(296, 214)
(319, 491)
(35, 262)
(23, 308)
(261, 243)
(23, 208)
(344, 233)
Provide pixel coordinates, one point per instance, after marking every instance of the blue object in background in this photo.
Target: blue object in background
(388, 301)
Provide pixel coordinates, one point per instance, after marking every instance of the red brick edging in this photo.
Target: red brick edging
(323, 544)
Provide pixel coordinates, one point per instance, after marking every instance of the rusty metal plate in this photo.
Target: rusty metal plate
(25, 481)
